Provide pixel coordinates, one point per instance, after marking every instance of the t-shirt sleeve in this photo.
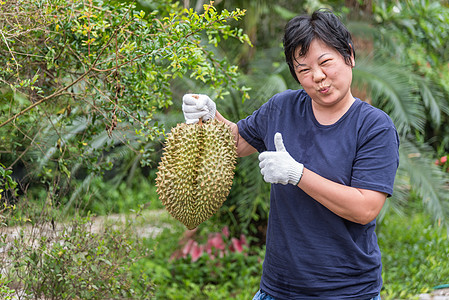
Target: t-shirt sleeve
(377, 159)
(254, 127)
(259, 128)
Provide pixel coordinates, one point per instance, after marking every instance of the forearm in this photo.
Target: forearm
(243, 148)
(356, 205)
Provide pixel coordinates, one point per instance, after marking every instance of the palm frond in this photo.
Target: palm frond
(54, 140)
(392, 90)
(400, 197)
(433, 98)
(78, 191)
(426, 179)
(249, 196)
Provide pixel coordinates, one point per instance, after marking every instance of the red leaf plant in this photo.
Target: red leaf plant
(213, 247)
(442, 161)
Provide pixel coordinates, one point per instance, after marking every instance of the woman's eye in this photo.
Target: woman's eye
(303, 70)
(325, 61)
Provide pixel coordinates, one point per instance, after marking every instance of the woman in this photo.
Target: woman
(331, 159)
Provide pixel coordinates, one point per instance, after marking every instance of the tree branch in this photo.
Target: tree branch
(62, 90)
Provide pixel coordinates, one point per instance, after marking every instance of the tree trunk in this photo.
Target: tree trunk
(356, 6)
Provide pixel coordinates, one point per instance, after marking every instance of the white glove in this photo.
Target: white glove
(196, 107)
(278, 166)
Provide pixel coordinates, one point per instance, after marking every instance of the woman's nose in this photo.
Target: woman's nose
(318, 75)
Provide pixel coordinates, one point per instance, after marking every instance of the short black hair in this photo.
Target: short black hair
(324, 25)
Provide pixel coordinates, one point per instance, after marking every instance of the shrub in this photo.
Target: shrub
(220, 273)
(78, 263)
(415, 256)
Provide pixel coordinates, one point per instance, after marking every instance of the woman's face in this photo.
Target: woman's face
(324, 75)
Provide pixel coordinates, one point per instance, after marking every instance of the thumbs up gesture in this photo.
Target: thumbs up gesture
(278, 166)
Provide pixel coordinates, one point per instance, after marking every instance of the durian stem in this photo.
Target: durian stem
(200, 122)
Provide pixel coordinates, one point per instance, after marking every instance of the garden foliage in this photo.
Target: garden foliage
(84, 87)
(75, 261)
(82, 79)
(86, 92)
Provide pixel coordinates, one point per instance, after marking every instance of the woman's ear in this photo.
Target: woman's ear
(352, 56)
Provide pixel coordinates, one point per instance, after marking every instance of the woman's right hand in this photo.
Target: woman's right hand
(196, 107)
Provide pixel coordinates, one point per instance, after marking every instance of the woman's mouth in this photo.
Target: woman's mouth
(324, 90)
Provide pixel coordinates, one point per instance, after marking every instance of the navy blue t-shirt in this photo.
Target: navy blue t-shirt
(311, 252)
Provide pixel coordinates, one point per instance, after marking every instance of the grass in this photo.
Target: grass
(415, 256)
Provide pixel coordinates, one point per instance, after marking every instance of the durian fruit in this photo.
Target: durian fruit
(196, 170)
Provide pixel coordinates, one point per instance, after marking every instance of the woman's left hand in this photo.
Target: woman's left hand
(278, 166)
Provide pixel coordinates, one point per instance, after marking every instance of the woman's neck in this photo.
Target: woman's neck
(328, 115)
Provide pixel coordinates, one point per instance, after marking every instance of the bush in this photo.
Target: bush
(78, 263)
(415, 256)
(415, 259)
(229, 275)
(108, 197)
